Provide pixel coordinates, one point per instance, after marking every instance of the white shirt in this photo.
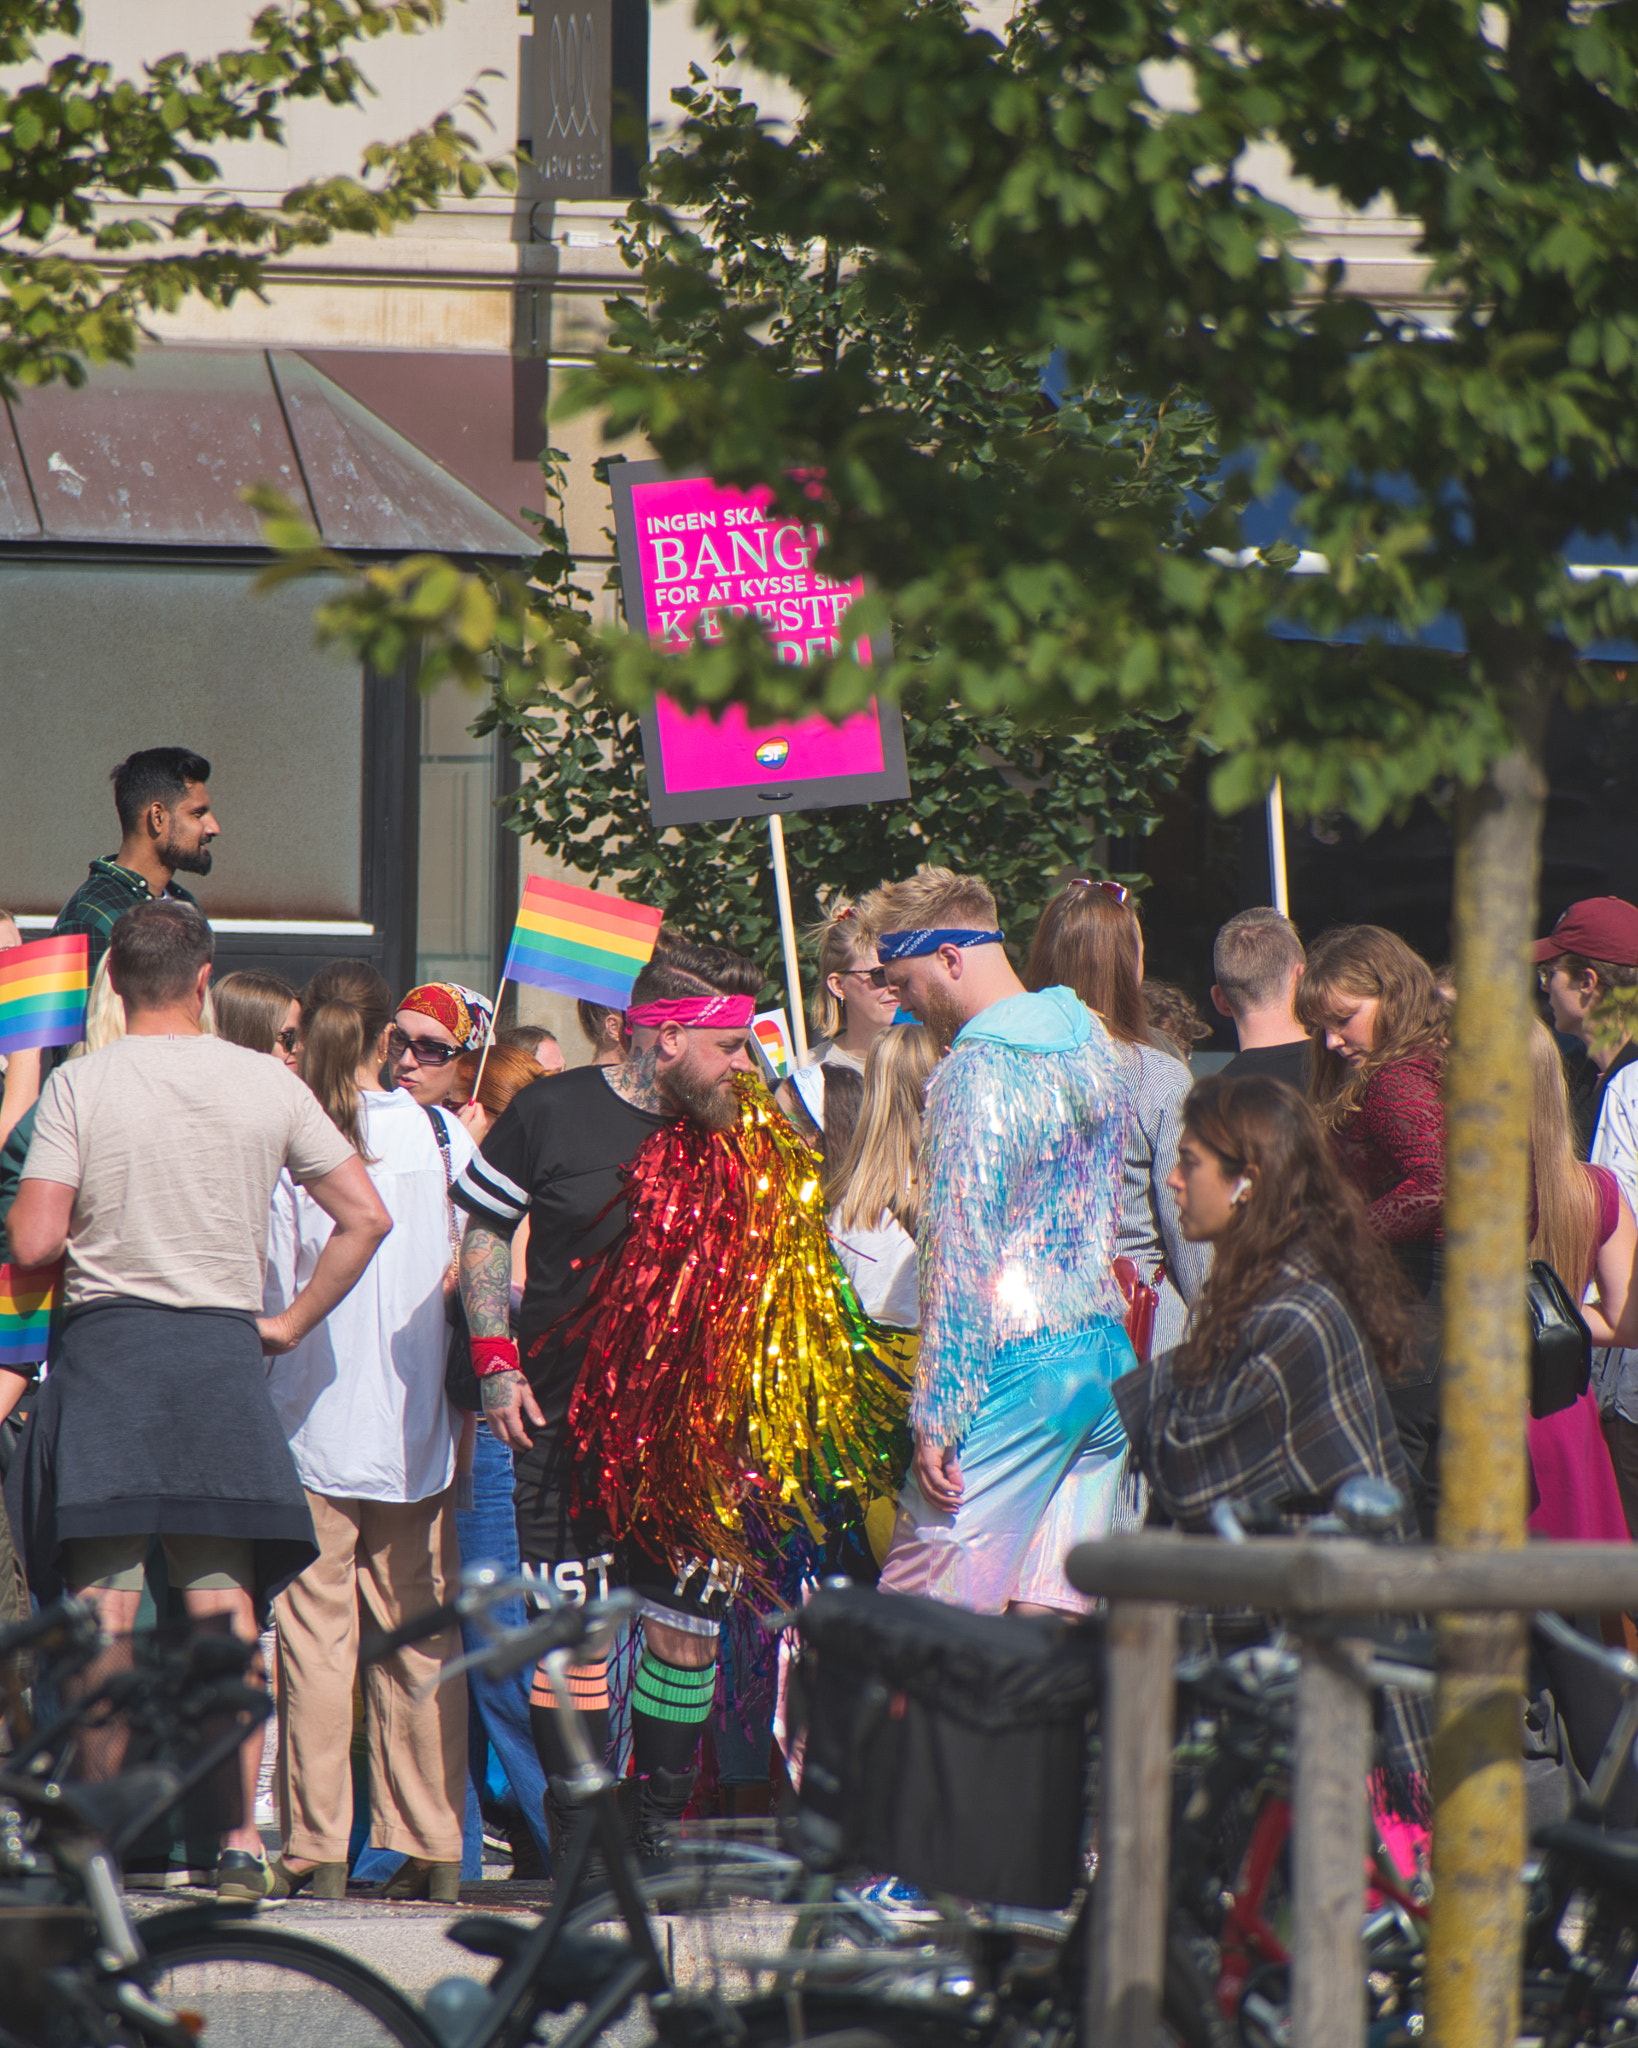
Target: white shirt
(1616, 1146)
(362, 1396)
(881, 1263)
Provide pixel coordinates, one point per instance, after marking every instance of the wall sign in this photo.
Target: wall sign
(571, 89)
(691, 550)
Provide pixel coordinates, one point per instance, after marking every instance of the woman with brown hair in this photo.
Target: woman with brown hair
(1277, 1391)
(852, 1004)
(1089, 940)
(259, 1011)
(1381, 1029)
(1583, 1229)
(362, 1402)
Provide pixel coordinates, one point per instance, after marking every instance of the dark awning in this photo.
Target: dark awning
(156, 455)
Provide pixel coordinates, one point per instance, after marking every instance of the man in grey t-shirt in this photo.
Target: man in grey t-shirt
(150, 1174)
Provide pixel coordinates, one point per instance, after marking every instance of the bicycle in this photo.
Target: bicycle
(80, 1973)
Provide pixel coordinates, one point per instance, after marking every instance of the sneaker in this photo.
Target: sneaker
(241, 1876)
(892, 1895)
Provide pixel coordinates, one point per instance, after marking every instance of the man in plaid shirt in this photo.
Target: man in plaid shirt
(166, 828)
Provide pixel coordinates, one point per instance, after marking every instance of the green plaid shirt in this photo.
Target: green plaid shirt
(105, 895)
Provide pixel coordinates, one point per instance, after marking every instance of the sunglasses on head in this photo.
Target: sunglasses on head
(427, 1051)
(1118, 890)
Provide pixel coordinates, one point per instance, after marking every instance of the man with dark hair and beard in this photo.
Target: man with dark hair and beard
(166, 828)
(557, 1156)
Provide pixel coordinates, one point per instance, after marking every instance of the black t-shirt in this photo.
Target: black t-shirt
(1278, 1062)
(555, 1155)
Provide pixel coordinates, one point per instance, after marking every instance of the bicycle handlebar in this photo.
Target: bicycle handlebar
(75, 1621)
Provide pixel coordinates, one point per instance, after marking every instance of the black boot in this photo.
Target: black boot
(662, 1797)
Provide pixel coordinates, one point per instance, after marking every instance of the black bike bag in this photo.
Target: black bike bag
(946, 1747)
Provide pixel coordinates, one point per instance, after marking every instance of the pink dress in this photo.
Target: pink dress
(1578, 1501)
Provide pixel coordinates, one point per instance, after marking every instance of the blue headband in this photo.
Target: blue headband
(912, 945)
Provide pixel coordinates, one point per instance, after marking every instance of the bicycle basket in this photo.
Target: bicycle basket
(949, 1748)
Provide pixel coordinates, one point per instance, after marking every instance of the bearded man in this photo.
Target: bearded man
(166, 828)
(1019, 1176)
(556, 1159)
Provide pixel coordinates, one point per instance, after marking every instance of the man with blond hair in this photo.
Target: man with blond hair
(1021, 1337)
(1258, 961)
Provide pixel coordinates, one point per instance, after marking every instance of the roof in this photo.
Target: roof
(156, 455)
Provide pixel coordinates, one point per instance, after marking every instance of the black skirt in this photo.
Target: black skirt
(157, 1421)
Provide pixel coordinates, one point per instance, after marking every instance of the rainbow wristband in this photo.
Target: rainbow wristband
(494, 1354)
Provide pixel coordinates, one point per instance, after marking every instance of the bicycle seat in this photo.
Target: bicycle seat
(575, 1969)
(1611, 1858)
(108, 1806)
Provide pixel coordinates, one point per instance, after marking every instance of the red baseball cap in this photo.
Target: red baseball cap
(1600, 928)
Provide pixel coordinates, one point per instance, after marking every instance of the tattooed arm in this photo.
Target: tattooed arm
(486, 1295)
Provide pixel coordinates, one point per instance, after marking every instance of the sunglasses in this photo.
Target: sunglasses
(876, 976)
(1118, 890)
(288, 1039)
(427, 1052)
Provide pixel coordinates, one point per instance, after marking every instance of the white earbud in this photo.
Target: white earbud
(1239, 1191)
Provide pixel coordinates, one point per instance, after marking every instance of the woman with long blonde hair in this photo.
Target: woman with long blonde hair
(852, 1004)
(1582, 1228)
(871, 1193)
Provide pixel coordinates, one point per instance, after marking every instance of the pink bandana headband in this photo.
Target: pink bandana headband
(720, 1013)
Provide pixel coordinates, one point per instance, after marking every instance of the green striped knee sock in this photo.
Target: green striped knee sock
(670, 1706)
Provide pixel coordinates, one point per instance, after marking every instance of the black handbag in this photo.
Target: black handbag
(1560, 1343)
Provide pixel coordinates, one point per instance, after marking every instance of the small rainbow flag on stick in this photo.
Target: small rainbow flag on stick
(42, 993)
(27, 1297)
(580, 942)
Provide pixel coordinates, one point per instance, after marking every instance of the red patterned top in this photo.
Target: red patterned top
(1392, 1147)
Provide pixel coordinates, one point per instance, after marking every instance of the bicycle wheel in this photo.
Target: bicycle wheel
(255, 1987)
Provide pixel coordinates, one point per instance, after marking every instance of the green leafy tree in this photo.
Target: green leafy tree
(1086, 182)
(96, 228)
(1020, 802)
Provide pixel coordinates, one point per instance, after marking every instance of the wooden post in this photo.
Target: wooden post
(1329, 1842)
(787, 933)
(1277, 889)
(1476, 1930)
(1129, 1907)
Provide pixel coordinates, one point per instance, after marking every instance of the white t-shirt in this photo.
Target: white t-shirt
(173, 1147)
(881, 1263)
(362, 1396)
(1615, 1373)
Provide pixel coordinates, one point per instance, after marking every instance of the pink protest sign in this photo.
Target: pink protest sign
(691, 552)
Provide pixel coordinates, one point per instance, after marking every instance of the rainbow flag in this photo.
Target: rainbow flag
(42, 993)
(27, 1296)
(580, 942)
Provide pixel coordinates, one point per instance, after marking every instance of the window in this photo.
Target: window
(463, 844)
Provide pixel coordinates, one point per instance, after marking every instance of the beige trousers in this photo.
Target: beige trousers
(386, 1561)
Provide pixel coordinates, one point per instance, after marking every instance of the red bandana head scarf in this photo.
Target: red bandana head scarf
(463, 1013)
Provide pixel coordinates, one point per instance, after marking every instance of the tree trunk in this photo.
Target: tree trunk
(1476, 1935)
